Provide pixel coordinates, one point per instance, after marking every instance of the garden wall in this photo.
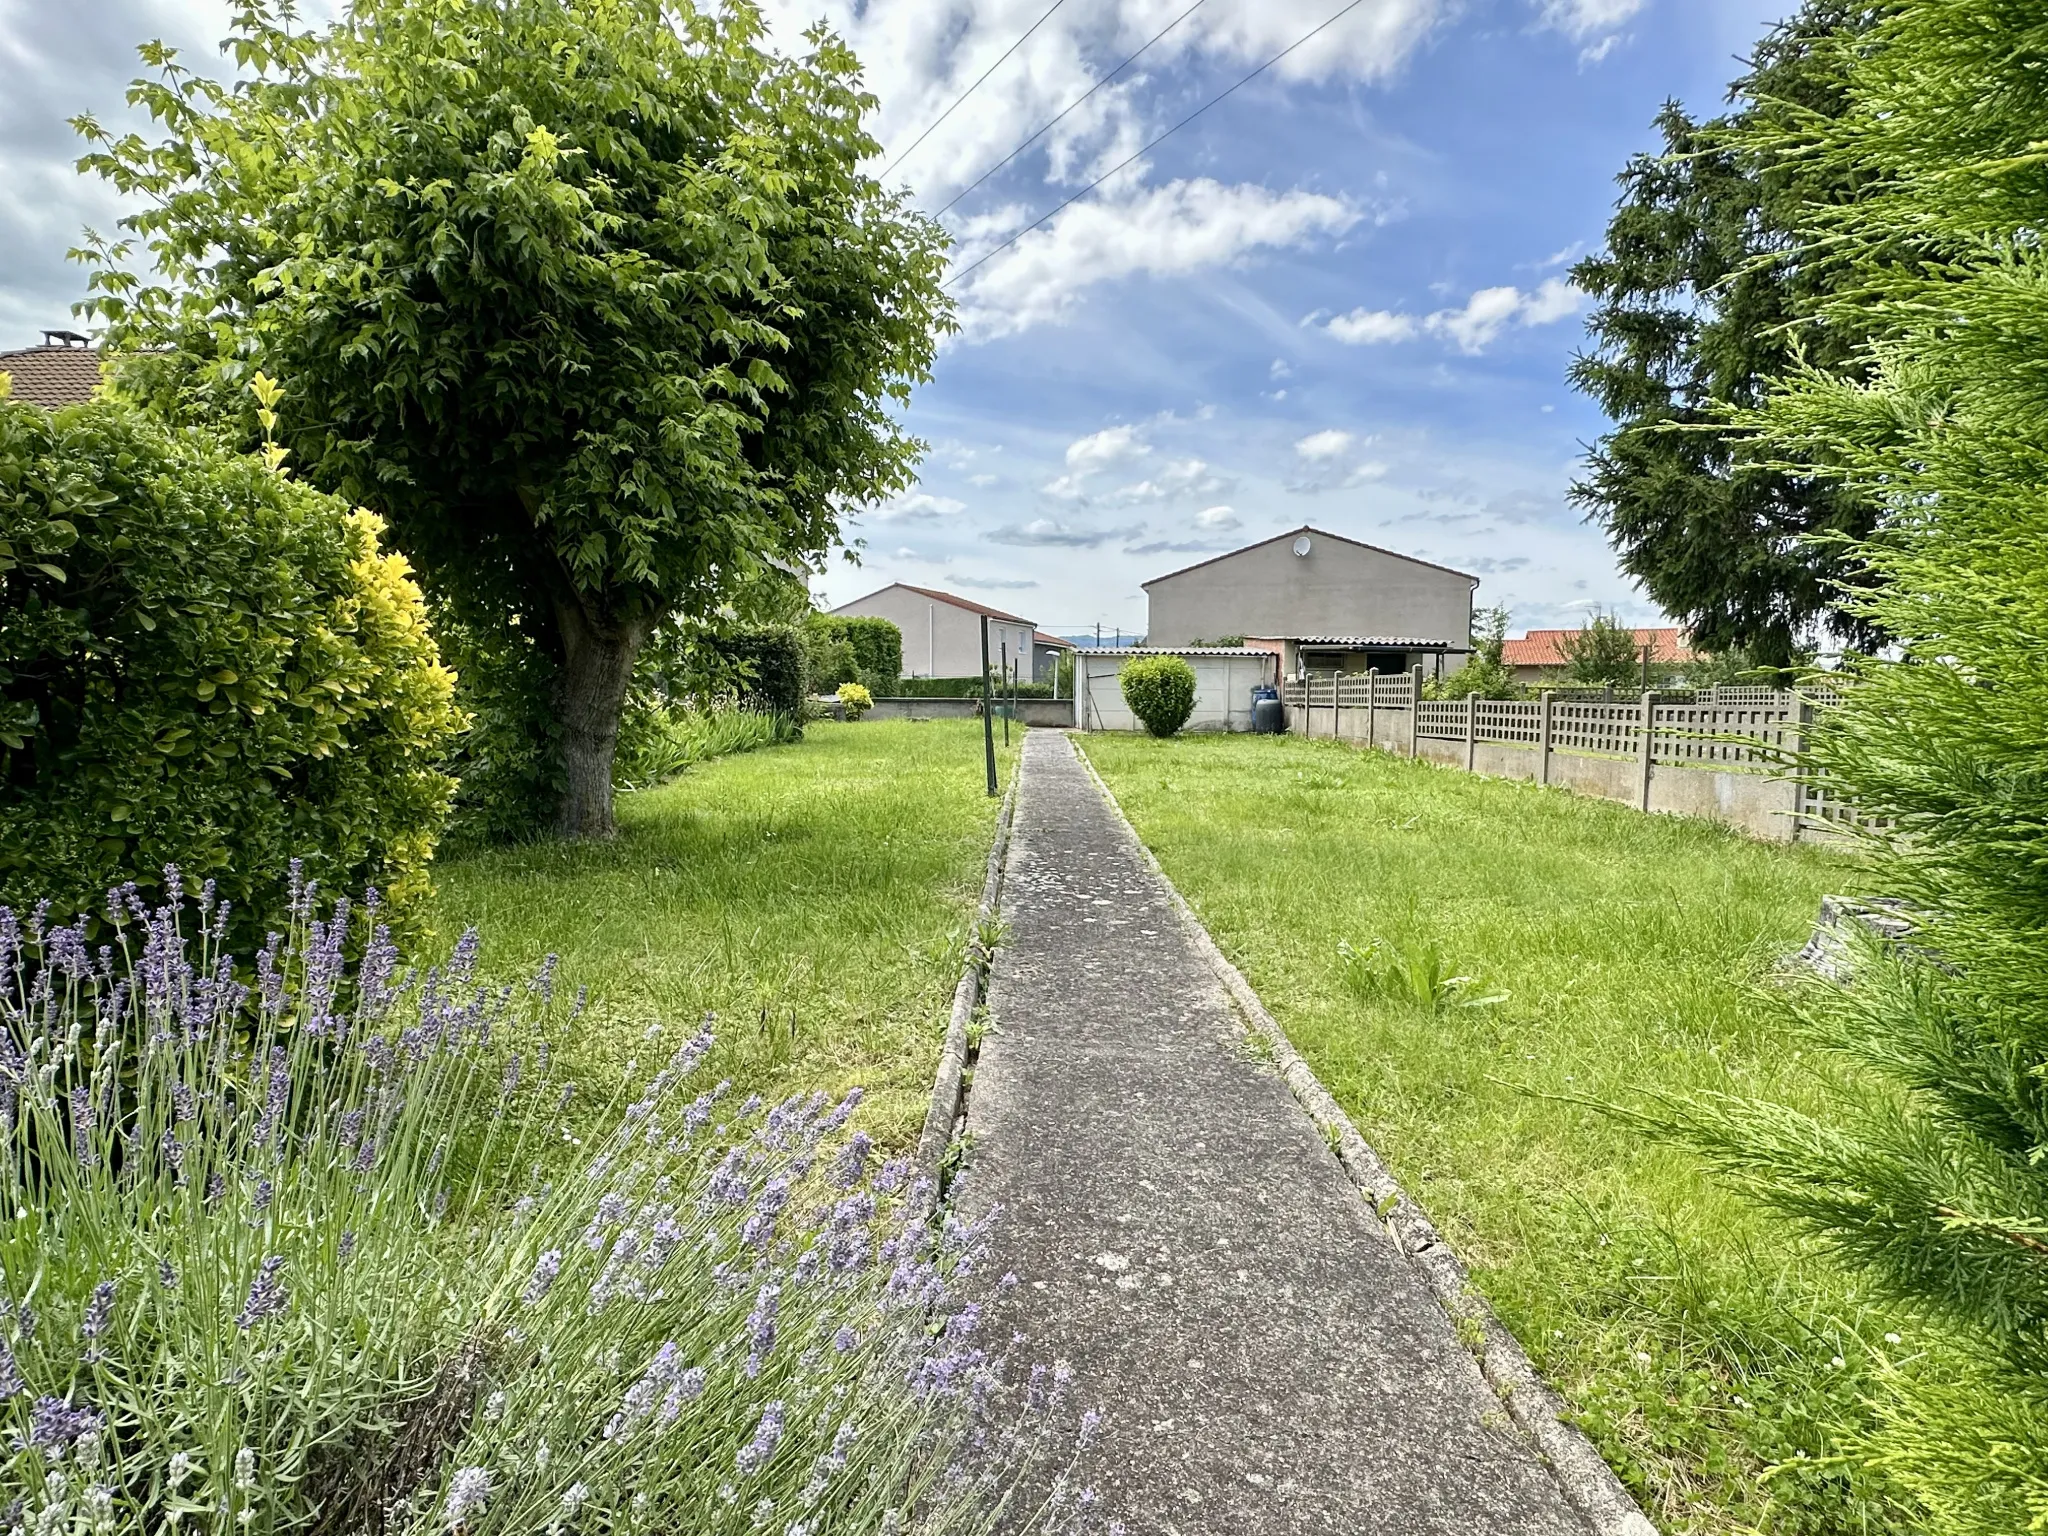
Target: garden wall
(1709, 753)
(1058, 713)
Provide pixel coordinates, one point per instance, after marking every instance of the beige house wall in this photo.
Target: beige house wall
(942, 639)
(1337, 588)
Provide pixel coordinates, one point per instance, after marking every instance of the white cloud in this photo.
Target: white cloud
(1370, 470)
(1485, 315)
(1582, 19)
(1099, 450)
(1319, 446)
(919, 58)
(1366, 327)
(983, 481)
(1046, 532)
(1178, 477)
(1218, 519)
(1182, 227)
(919, 507)
(1472, 327)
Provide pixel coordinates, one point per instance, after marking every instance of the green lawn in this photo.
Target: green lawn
(1699, 1343)
(815, 896)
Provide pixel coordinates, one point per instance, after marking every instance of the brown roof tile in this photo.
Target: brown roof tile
(53, 376)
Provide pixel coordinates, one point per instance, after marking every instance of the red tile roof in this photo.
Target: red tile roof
(53, 376)
(1040, 637)
(1543, 647)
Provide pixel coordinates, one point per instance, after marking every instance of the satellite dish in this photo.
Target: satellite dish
(1302, 545)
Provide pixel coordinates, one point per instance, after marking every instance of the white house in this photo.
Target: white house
(942, 632)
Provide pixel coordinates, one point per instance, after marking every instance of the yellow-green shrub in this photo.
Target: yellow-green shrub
(207, 664)
(856, 699)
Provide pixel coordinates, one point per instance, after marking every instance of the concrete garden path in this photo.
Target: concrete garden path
(1266, 1361)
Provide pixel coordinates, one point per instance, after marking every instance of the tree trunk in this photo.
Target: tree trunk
(590, 694)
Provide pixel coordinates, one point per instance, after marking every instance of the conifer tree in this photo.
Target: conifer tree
(1933, 1174)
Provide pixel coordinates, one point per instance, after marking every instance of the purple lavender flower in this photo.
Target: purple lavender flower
(728, 1182)
(174, 1156)
(468, 1491)
(686, 1388)
(761, 1327)
(277, 1095)
(261, 1196)
(893, 1174)
(755, 1454)
(852, 1161)
(267, 1295)
(760, 1224)
(54, 1425)
(1091, 1421)
(845, 1340)
(184, 1103)
(545, 1268)
(82, 1121)
(11, 1383)
(98, 1313)
(166, 1276)
(346, 1248)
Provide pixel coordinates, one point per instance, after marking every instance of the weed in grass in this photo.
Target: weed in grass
(1696, 1340)
(1413, 972)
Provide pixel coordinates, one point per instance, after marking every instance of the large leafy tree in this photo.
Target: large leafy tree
(1933, 1173)
(589, 297)
(1707, 297)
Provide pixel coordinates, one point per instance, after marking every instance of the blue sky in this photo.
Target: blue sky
(1336, 298)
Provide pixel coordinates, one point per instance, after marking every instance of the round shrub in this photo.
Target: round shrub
(203, 663)
(1160, 691)
(856, 699)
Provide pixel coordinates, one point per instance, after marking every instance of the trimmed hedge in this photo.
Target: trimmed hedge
(852, 649)
(965, 688)
(204, 664)
(762, 665)
(1160, 691)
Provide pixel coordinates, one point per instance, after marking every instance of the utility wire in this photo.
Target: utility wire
(899, 159)
(1077, 101)
(1154, 144)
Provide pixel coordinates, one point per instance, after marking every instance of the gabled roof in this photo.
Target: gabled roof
(1545, 648)
(1321, 533)
(943, 597)
(53, 376)
(1040, 637)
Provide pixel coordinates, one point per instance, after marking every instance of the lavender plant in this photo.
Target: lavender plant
(262, 1268)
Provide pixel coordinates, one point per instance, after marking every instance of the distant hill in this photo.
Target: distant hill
(1109, 641)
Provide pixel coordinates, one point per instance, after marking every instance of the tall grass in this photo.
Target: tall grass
(667, 742)
(261, 1275)
(815, 896)
(1617, 956)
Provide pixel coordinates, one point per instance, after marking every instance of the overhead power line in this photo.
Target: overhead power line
(899, 159)
(1154, 144)
(1070, 106)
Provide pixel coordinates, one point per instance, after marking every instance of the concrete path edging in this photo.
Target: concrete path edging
(949, 1085)
(1584, 1475)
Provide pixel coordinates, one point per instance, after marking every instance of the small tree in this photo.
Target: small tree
(1486, 674)
(1160, 691)
(1602, 654)
(592, 300)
